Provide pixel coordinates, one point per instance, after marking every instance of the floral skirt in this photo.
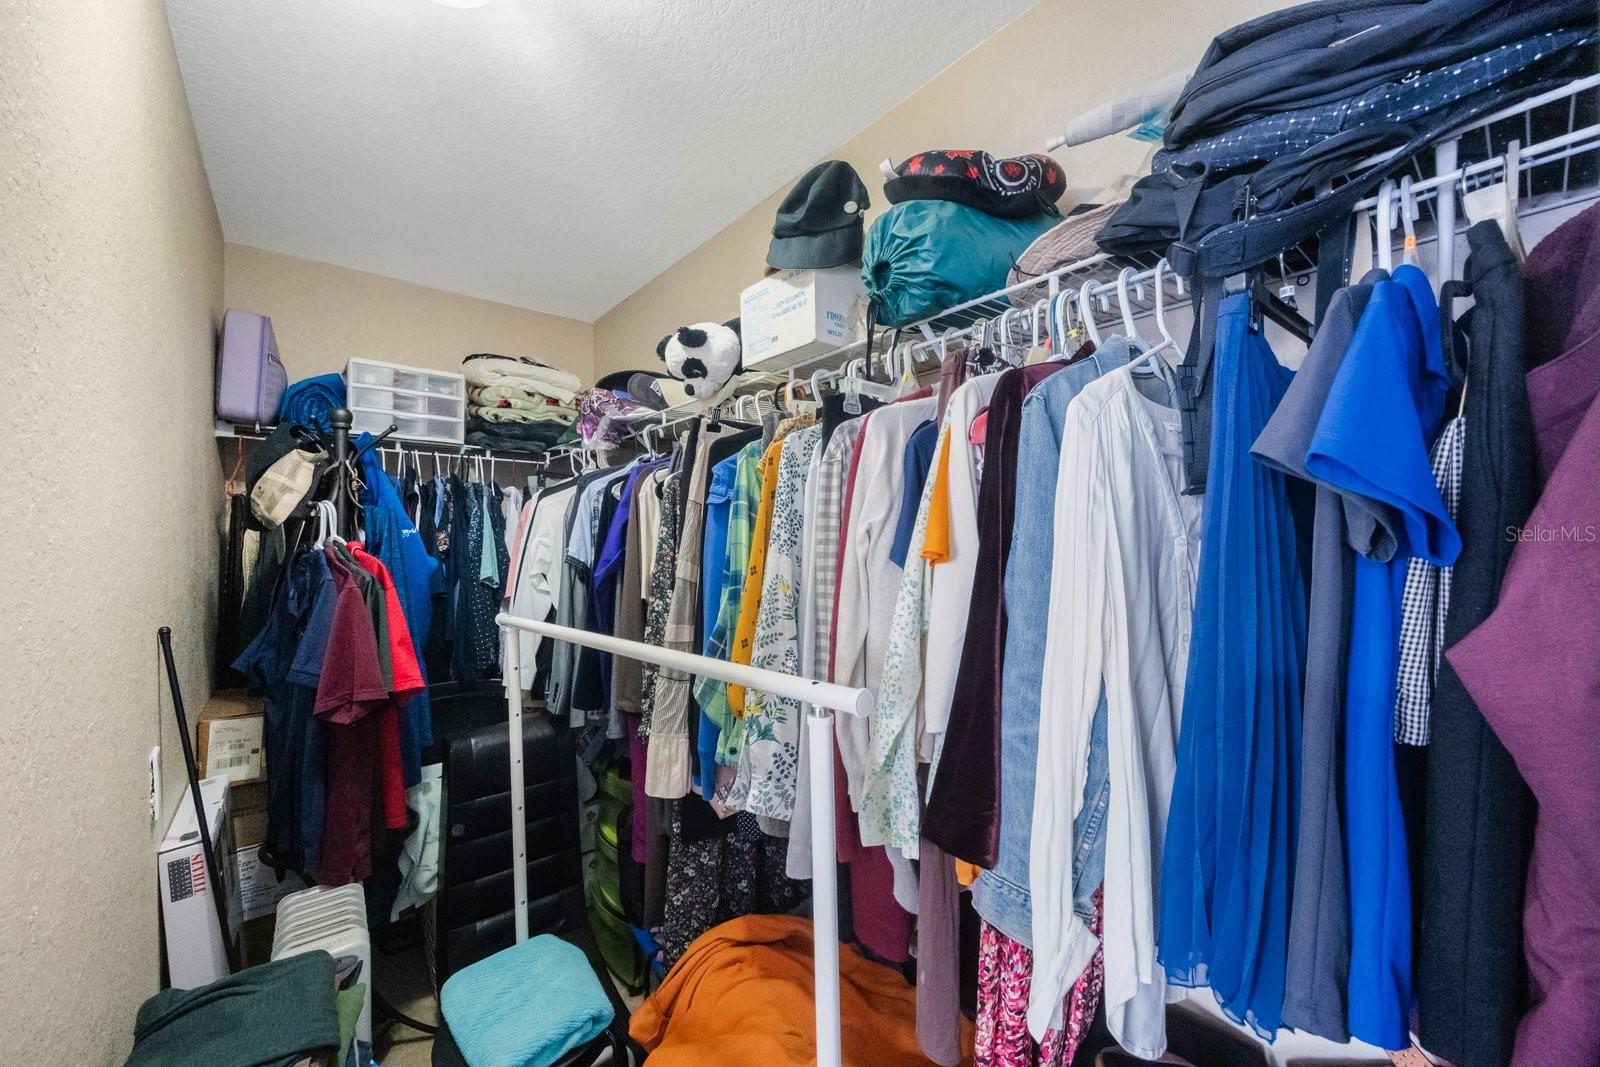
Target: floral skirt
(1005, 972)
(713, 879)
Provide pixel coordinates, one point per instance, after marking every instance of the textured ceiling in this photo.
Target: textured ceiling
(554, 154)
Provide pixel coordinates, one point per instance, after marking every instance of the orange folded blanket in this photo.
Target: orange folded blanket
(742, 994)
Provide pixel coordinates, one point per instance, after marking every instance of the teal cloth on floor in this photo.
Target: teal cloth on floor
(525, 1006)
(274, 1015)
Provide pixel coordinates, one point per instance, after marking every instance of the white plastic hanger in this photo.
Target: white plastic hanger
(1061, 322)
(995, 334)
(820, 376)
(1409, 213)
(1385, 220)
(1498, 201)
(856, 383)
(327, 524)
(1086, 312)
(1161, 269)
(905, 369)
(1153, 360)
(1125, 304)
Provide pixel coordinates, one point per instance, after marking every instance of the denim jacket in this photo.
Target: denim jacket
(1001, 895)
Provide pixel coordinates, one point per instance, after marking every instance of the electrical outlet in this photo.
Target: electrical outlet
(155, 785)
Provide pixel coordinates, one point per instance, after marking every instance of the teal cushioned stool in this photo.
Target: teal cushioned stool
(537, 1004)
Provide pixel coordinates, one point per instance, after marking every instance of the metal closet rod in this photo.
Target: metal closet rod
(824, 699)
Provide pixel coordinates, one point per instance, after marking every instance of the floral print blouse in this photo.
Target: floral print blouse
(769, 759)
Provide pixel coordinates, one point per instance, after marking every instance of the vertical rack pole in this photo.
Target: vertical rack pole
(340, 419)
(1444, 212)
(824, 887)
(208, 848)
(511, 672)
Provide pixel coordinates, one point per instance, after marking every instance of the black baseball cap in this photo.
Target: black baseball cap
(819, 223)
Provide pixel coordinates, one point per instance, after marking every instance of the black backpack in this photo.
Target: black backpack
(1331, 50)
(1212, 225)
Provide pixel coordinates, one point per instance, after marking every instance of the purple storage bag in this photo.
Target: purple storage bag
(250, 377)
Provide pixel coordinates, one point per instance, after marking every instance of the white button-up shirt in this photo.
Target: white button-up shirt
(1126, 558)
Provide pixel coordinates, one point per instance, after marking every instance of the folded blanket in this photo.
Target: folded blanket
(518, 437)
(309, 401)
(486, 369)
(511, 415)
(271, 1014)
(742, 993)
(525, 1006)
(541, 430)
(518, 399)
(539, 394)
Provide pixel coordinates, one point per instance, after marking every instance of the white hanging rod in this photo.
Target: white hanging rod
(823, 699)
(843, 698)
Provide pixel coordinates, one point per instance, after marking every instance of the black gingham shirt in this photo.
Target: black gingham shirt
(1425, 605)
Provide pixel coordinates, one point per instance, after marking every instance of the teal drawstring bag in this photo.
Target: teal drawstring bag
(923, 257)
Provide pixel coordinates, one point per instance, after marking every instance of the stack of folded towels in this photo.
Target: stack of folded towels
(518, 403)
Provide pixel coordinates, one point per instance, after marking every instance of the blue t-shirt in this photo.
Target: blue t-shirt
(1373, 439)
(713, 577)
(284, 663)
(394, 540)
(713, 562)
(918, 459)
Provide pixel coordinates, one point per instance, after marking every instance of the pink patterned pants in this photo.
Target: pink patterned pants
(1005, 971)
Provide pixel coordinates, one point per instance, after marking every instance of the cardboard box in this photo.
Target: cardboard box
(195, 951)
(230, 738)
(798, 314)
(259, 888)
(248, 803)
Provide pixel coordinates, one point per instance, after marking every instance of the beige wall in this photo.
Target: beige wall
(322, 315)
(1009, 95)
(110, 290)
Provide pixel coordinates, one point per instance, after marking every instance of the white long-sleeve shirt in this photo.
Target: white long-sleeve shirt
(536, 577)
(868, 581)
(1125, 560)
(950, 582)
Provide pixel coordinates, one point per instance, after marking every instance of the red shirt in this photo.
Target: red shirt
(351, 698)
(407, 682)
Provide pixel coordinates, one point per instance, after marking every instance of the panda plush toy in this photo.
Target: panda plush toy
(703, 356)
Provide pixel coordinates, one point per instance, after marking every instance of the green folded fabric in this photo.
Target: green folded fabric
(266, 1016)
(349, 1005)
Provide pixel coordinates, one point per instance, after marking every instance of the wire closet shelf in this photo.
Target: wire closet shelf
(1552, 139)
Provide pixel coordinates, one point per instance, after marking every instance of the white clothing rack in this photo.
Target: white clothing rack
(822, 698)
